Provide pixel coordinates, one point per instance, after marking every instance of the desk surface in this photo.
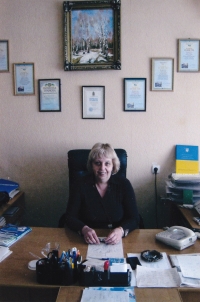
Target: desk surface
(189, 214)
(15, 272)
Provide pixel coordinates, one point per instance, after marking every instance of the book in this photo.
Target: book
(8, 186)
(10, 233)
(187, 159)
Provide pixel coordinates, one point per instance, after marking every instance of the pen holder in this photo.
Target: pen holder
(55, 273)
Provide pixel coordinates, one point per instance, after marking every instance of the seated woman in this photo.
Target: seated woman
(102, 199)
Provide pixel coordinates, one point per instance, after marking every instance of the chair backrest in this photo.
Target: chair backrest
(77, 163)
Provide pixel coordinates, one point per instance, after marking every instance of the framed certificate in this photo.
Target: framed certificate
(135, 94)
(4, 56)
(188, 55)
(24, 79)
(162, 77)
(49, 95)
(93, 102)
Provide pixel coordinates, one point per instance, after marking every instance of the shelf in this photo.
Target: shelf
(17, 201)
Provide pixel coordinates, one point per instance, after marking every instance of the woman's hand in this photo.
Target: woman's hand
(115, 236)
(90, 235)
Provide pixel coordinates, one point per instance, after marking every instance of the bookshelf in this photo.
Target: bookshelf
(17, 201)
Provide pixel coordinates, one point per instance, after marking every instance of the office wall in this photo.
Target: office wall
(34, 145)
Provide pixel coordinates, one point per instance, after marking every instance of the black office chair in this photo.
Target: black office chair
(77, 164)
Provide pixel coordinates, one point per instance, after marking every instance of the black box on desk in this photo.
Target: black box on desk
(103, 278)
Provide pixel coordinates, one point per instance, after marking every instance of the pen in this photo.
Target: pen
(62, 257)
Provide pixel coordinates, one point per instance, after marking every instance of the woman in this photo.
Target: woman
(102, 199)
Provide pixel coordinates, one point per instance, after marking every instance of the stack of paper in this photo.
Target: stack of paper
(4, 252)
(108, 294)
(9, 234)
(187, 266)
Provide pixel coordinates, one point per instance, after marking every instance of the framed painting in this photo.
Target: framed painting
(92, 35)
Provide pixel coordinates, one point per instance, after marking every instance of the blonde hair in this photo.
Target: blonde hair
(103, 150)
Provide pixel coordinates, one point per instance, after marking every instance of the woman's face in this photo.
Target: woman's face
(102, 169)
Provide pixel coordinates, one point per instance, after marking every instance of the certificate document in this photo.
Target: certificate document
(189, 55)
(93, 102)
(162, 77)
(135, 94)
(24, 82)
(3, 56)
(49, 95)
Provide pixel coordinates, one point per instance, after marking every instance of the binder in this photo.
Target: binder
(187, 159)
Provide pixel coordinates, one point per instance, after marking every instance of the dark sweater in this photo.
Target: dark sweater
(117, 208)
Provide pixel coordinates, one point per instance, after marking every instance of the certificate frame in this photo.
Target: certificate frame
(49, 95)
(92, 35)
(4, 56)
(24, 79)
(135, 94)
(188, 55)
(162, 74)
(93, 102)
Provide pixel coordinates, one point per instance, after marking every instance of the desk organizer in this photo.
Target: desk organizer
(55, 273)
(105, 278)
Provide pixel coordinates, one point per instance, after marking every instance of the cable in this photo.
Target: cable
(156, 196)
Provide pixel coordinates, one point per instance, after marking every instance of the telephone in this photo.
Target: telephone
(178, 237)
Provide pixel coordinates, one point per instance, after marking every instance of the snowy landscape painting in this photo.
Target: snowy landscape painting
(92, 35)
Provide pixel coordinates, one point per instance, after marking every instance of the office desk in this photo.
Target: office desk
(183, 216)
(18, 283)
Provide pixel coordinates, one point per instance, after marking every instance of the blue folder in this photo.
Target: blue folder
(8, 185)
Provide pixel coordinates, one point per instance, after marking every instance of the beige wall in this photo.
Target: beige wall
(34, 145)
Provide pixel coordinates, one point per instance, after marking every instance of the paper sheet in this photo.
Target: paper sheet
(129, 289)
(104, 296)
(189, 266)
(103, 250)
(150, 277)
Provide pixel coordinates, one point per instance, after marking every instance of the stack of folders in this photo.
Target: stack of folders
(9, 234)
(11, 187)
(183, 188)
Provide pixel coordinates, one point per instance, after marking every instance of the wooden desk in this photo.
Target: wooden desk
(18, 283)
